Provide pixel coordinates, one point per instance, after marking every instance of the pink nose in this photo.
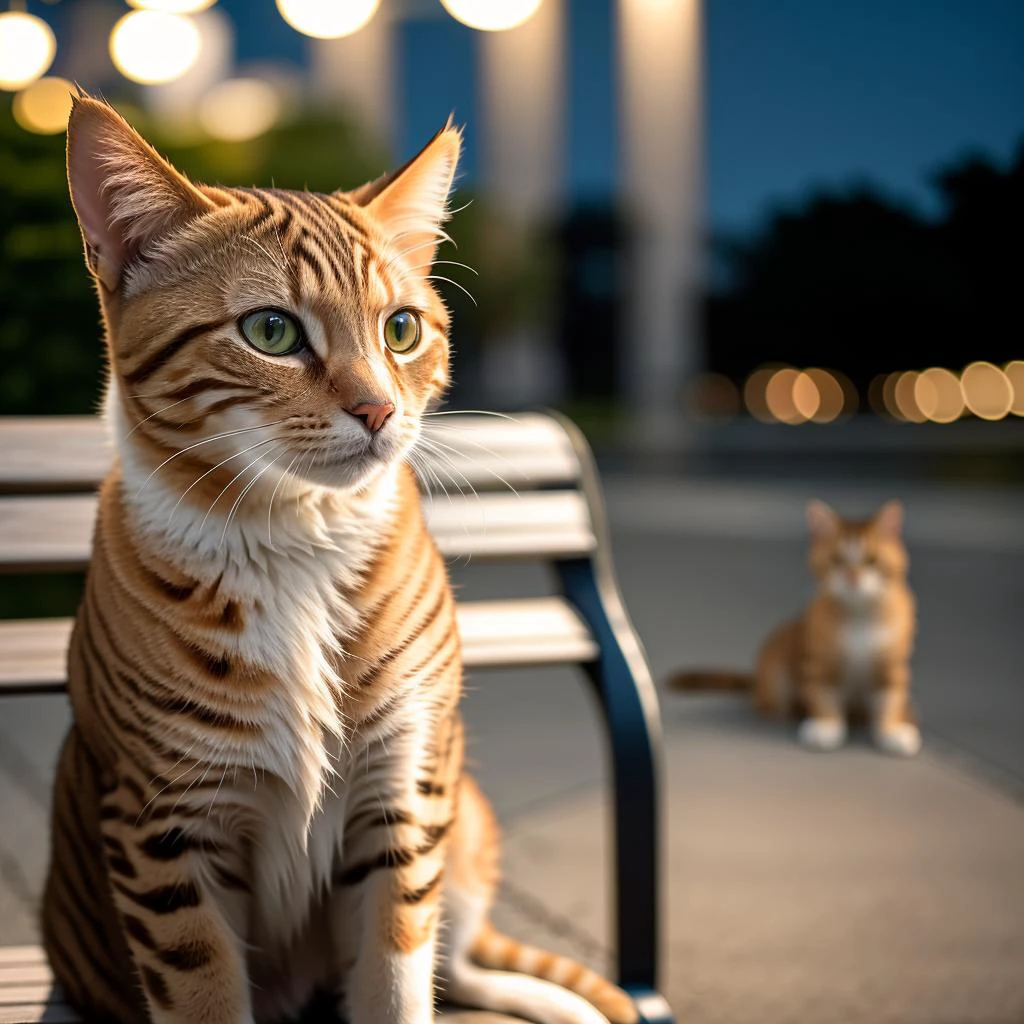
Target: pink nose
(373, 414)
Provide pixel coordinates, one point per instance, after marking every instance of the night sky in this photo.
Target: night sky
(799, 93)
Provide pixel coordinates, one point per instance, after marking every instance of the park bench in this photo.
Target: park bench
(49, 468)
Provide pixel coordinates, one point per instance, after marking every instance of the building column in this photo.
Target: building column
(358, 70)
(660, 77)
(522, 130)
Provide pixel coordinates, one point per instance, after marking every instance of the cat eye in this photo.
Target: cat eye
(402, 331)
(271, 331)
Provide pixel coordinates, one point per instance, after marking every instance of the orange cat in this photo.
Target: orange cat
(849, 653)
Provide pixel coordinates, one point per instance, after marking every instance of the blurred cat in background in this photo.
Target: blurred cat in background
(847, 657)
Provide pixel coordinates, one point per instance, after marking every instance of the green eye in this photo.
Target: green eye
(272, 332)
(402, 331)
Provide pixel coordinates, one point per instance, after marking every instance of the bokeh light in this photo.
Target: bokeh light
(903, 397)
(327, 19)
(806, 397)
(832, 396)
(152, 47)
(938, 396)
(778, 396)
(876, 396)
(173, 6)
(754, 394)
(27, 49)
(492, 15)
(987, 391)
(44, 106)
(239, 109)
(712, 396)
(1015, 375)
(889, 396)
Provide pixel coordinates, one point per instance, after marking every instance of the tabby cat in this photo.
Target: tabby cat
(848, 655)
(262, 797)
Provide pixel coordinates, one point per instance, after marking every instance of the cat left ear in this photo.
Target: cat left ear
(411, 203)
(821, 520)
(124, 193)
(889, 519)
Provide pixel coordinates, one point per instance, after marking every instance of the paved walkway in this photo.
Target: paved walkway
(842, 888)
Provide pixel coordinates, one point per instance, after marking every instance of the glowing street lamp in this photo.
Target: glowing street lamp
(152, 47)
(27, 49)
(492, 15)
(327, 19)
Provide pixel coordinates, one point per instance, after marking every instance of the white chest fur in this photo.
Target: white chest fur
(863, 641)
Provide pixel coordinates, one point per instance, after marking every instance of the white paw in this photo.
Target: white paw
(903, 740)
(822, 733)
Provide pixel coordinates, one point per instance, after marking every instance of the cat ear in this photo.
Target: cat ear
(821, 520)
(888, 519)
(124, 193)
(411, 203)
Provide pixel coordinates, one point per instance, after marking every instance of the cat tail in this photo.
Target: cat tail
(493, 950)
(702, 680)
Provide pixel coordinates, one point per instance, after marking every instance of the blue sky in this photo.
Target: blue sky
(804, 93)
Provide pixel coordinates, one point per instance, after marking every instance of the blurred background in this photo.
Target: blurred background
(761, 251)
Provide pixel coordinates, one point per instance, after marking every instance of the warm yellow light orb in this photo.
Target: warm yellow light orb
(831, 396)
(239, 109)
(172, 6)
(492, 15)
(903, 395)
(327, 19)
(779, 395)
(937, 394)
(1015, 375)
(27, 49)
(988, 392)
(754, 394)
(44, 106)
(152, 47)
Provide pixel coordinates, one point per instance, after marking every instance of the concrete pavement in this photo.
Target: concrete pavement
(848, 887)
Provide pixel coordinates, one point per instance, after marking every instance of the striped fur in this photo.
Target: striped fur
(262, 796)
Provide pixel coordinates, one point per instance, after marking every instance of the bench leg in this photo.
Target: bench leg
(628, 701)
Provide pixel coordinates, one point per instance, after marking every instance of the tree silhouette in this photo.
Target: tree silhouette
(857, 282)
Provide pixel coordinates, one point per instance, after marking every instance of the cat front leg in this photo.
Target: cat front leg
(824, 728)
(389, 886)
(176, 916)
(893, 728)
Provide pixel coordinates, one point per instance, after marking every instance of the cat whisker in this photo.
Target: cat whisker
(245, 490)
(448, 280)
(270, 507)
(490, 451)
(159, 412)
(181, 498)
(206, 440)
(497, 476)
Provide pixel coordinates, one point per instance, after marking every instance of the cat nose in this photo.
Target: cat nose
(373, 414)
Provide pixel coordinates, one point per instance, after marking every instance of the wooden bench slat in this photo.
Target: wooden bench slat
(24, 974)
(524, 631)
(15, 955)
(54, 533)
(36, 1013)
(49, 454)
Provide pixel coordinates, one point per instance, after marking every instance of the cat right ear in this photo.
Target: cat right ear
(124, 193)
(821, 520)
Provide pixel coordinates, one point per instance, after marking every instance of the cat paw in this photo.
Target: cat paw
(822, 733)
(903, 740)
